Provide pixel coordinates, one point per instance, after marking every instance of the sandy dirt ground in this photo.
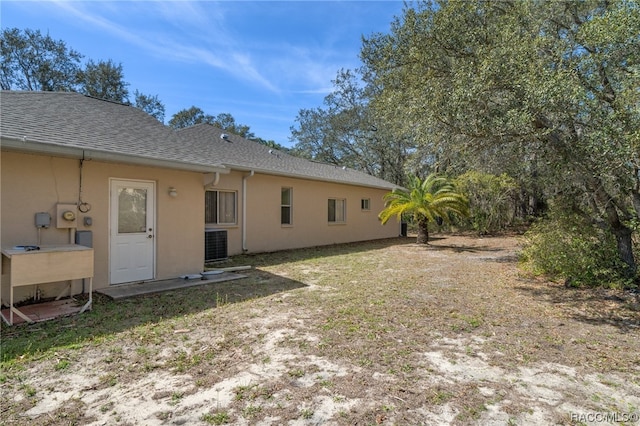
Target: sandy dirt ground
(385, 333)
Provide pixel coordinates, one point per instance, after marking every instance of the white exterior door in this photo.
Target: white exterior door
(132, 231)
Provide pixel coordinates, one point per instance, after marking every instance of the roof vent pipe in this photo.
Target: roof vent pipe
(225, 137)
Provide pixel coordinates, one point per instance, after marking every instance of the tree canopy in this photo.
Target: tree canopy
(545, 90)
(195, 115)
(103, 80)
(347, 133)
(33, 61)
(150, 104)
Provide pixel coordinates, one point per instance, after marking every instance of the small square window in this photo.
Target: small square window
(337, 210)
(220, 207)
(365, 204)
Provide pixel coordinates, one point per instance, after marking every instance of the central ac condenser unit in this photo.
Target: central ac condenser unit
(215, 244)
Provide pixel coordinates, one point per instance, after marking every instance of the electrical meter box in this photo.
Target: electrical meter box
(66, 216)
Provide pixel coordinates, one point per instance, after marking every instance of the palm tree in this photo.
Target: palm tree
(427, 200)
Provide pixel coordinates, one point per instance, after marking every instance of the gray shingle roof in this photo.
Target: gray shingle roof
(238, 153)
(72, 120)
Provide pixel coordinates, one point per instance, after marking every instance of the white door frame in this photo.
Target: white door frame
(145, 269)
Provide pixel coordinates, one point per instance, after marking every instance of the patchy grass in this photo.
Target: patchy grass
(383, 332)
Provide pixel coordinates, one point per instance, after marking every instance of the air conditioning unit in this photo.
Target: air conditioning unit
(215, 244)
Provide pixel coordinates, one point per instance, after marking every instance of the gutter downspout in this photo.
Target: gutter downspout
(244, 210)
(211, 179)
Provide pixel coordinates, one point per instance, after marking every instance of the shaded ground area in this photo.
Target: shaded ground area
(384, 332)
(132, 290)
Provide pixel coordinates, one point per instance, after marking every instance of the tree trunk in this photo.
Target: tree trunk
(620, 230)
(636, 202)
(423, 231)
(635, 193)
(625, 248)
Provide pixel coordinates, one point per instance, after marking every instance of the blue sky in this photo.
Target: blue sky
(260, 61)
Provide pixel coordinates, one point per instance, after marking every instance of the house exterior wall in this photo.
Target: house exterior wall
(310, 226)
(32, 183)
(37, 183)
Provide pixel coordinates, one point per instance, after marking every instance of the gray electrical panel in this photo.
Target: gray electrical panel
(43, 220)
(84, 238)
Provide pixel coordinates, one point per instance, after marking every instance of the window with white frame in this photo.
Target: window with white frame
(286, 203)
(365, 204)
(220, 207)
(337, 212)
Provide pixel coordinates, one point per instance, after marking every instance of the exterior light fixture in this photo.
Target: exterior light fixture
(173, 192)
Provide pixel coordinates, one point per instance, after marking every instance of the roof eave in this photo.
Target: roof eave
(27, 146)
(306, 177)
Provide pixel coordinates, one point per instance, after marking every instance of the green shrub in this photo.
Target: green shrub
(567, 246)
(491, 201)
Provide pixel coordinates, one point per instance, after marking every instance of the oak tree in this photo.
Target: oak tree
(543, 88)
(31, 60)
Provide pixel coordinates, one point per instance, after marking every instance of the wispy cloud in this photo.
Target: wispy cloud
(204, 33)
(197, 36)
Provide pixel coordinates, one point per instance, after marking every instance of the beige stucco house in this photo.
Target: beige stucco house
(158, 202)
